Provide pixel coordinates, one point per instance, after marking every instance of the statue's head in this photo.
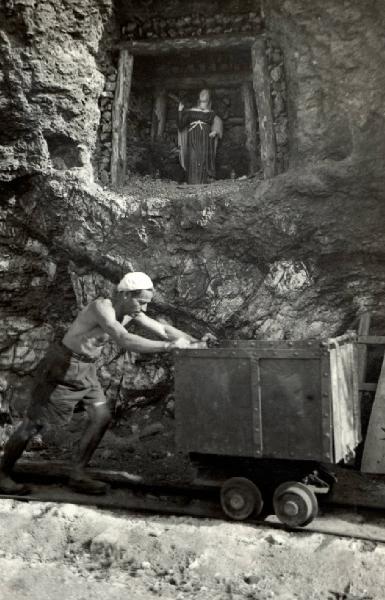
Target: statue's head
(204, 97)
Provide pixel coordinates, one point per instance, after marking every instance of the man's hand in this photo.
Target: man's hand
(212, 134)
(198, 345)
(184, 344)
(210, 339)
(179, 344)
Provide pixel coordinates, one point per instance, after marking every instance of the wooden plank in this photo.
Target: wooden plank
(261, 83)
(159, 115)
(40, 472)
(250, 126)
(372, 340)
(363, 330)
(345, 399)
(171, 46)
(357, 489)
(60, 471)
(350, 336)
(127, 500)
(354, 394)
(212, 80)
(367, 387)
(373, 457)
(119, 118)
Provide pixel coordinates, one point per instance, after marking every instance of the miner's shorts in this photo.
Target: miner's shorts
(64, 378)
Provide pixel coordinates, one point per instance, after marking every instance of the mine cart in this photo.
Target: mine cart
(262, 419)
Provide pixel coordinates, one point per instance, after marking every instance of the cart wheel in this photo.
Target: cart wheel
(295, 504)
(240, 498)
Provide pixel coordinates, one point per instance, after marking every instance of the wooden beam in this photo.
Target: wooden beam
(371, 340)
(159, 115)
(367, 387)
(171, 46)
(119, 118)
(261, 83)
(363, 330)
(373, 456)
(213, 80)
(250, 126)
(356, 489)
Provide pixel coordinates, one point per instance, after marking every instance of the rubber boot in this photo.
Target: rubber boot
(9, 487)
(87, 485)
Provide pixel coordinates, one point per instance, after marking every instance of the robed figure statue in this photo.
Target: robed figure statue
(199, 130)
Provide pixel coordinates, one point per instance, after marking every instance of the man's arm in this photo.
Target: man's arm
(105, 316)
(162, 330)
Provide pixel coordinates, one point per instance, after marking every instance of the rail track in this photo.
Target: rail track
(341, 514)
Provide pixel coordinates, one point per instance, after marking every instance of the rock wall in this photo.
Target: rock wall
(295, 256)
(333, 55)
(50, 82)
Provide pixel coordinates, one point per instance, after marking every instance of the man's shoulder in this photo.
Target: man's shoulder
(102, 305)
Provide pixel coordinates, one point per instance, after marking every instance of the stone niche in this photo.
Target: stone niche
(169, 51)
(152, 134)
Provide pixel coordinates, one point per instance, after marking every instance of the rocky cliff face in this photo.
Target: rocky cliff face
(50, 82)
(295, 256)
(333, 55)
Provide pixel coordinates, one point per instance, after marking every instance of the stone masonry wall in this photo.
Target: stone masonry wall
(276, 66)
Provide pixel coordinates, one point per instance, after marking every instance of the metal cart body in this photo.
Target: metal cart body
(270, 400)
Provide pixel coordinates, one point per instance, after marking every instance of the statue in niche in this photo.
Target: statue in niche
(199, 130)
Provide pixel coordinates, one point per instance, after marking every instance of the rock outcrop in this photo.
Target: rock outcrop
(295, 256)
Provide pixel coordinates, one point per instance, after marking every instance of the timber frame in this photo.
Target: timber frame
(256, 83)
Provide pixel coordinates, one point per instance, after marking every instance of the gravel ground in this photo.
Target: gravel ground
(70, 552)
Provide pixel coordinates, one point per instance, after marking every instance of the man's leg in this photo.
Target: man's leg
(14, 448)
(100, 418)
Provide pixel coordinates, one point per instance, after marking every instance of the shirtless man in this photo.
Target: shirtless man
(67, 374)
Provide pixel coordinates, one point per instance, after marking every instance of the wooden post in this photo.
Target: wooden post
(119, 118)
(159, 115)
(261, 84)
(373, 457)
(363, 329)
(250, 126)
